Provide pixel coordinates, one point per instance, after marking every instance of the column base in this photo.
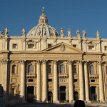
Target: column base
(88, 101)
(45, 101)
(22, 99)
(82, 99)
(102, 101)
(56, 102)
(71, 101)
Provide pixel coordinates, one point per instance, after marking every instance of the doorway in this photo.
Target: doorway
(93, 96)
(50, 97)
(76, 95)
(62, 93)
(30, 93)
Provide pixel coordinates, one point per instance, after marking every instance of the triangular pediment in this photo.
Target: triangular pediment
(62, 48)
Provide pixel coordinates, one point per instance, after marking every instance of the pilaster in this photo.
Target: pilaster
(86, 81)
(38, 81)
(44, 81)
(22, 85)
(101, 83)
(55, 93)
(71, 86)
(81, 81)
(4, 74)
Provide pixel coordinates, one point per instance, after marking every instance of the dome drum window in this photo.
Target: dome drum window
(30, 44)
(14, 46)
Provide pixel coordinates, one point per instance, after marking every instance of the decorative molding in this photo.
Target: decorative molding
(44, 61)
(70, 61)
(22, 61)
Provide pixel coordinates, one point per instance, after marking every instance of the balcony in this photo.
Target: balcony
(93, 76)
(63, 75)
(31, 75)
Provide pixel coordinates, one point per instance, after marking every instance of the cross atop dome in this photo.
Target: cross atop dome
(43, 18)
(43, 11)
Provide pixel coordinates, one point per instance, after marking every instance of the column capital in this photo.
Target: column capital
(81, 61)
(44, 61)
(4, 61)
(86, 61)
(38, 61)
(70, 61)
(55, 61)
(33, 62)
(22, 61)
(99, 62)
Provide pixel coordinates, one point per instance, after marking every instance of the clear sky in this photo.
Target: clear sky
(88, 15)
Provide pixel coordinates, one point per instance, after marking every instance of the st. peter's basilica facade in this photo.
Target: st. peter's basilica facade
(46, 66)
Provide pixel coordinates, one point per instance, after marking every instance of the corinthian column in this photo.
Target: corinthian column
(81, 81)
(22, 83)
(55, 93)
(44, 85)
(71, 89)
(86, 82)
(4, 74)
(38, 81)
(101, 86)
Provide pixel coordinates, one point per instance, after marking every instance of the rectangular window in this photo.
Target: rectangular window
(14, 46)
(74, 45)
(92, 80)
(49, 45)
(74, 69)
(105, 48)
(106, 70)
(49, 80)
(49, 69)
(30, 46)
(75, 80)
(91, 47)
(30, 80)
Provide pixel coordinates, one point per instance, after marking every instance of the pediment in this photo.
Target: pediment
(62, 48)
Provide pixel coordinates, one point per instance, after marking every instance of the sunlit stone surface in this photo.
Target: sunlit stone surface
(45, 65)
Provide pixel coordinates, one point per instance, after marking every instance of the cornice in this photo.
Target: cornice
(93, 53)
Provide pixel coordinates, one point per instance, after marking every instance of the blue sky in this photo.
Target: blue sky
(88, 15)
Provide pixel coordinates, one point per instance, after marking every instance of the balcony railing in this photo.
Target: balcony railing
(93, 76)
(31, 75)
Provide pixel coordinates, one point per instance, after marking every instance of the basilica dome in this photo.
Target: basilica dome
(43, 28)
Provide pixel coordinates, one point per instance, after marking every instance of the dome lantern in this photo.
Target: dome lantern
(43, 18)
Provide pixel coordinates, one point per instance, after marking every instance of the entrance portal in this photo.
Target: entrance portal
(62, 93)
(30, 93)
(93, 95)
(50, 97)
(75, 95)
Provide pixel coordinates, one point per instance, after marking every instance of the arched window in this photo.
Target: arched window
(61, 67)
(106, 70)
(30, 69)
(74, 68)
(13, 69)
(49, 66)
(91, 69)
(30, 46)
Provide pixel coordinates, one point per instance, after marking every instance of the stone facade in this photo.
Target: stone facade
(46, 66)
